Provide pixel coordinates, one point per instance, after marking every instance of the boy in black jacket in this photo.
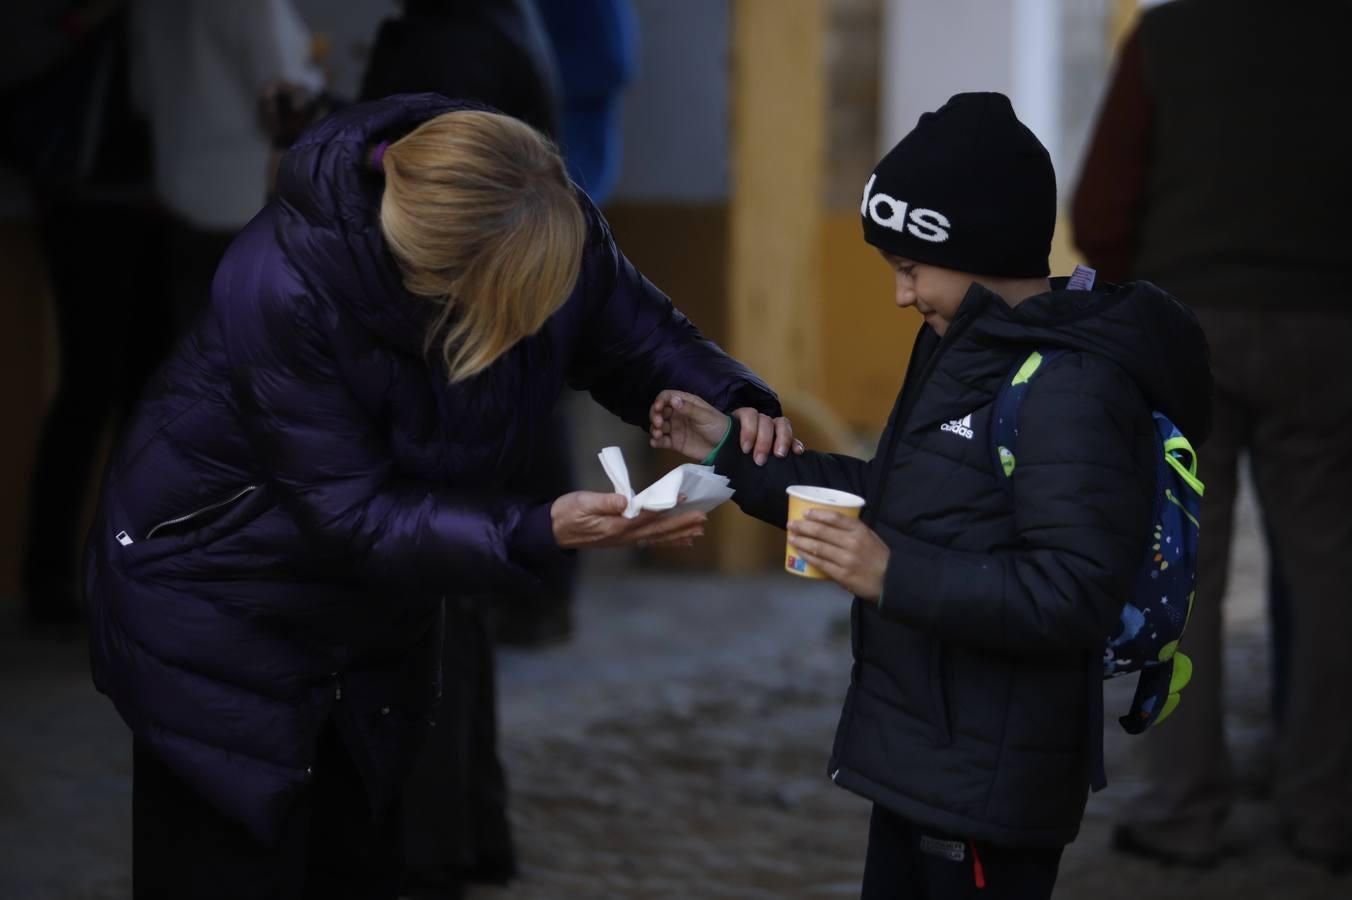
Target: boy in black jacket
(973, 719)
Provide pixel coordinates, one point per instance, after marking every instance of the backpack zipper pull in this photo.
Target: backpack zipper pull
(978, 871)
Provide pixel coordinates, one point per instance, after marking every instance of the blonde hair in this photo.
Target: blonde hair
(480, 214)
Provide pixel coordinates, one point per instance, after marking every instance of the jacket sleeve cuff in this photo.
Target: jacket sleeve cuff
(759, 399)
(759, 490)
(534, 547)
(728, 459)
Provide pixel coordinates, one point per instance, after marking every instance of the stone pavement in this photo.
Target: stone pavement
(676, 749)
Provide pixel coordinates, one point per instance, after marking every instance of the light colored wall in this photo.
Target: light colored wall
(348, 28)
(1052, 57)
(675, 113)
(933, 49)
(853, 53)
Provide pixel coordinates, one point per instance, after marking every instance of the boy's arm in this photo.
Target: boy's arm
(760, 489)
(1083, 495)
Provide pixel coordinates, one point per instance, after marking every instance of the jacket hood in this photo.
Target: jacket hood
(1150, 334)
(328, 214)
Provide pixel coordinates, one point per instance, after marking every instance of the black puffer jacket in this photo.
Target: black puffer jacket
(975, 698)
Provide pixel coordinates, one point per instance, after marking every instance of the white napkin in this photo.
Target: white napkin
(702, 488)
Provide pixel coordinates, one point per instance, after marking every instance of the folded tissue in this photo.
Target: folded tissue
(702, 488)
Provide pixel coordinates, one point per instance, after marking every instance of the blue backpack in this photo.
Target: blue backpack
(1156, 612)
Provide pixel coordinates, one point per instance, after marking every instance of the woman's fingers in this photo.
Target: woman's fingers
(765, 438)
(645, 517)
(748, 422)
(783, 436)
(762, 435)
(590, 503)
(676, 524)
(667, 525)
(684, 538)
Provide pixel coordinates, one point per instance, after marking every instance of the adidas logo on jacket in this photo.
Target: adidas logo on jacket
(961, 427)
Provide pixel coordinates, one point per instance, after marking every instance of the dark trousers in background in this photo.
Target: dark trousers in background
(113, 329)
(455, 828)
(331, 848)
(910, 862)
(1283, 393)
(126, 282)
(1279, 641)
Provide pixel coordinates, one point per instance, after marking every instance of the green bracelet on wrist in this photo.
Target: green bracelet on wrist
(709, 460)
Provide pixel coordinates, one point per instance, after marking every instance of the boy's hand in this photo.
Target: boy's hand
(686, 424)
(848, 551)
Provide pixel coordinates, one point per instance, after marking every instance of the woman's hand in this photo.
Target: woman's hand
(849, 552)
(585, 519)
(686, 424)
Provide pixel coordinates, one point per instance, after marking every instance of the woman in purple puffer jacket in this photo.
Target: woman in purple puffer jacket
(321, 466)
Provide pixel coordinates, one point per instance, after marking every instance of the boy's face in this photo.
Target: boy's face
(936, 293)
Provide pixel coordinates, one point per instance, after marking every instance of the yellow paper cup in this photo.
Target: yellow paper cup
(803, 497)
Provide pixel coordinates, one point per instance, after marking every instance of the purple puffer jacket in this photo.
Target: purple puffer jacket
(299, 491)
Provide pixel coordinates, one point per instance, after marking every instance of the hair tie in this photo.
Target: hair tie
(378, 154)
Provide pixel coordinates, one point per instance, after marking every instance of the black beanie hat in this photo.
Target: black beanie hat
(970, 188)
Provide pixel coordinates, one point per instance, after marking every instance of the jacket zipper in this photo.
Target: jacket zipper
(179, 520)
(874, 488)
(903, 413)
(907, 406)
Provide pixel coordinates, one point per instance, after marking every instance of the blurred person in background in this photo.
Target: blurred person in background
(492, 51)
(495, 52)
(1214, 173)
(596, 45)
(325, 463)
(67, 124)
(200, 70)
(589, 49)
(456, 829)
